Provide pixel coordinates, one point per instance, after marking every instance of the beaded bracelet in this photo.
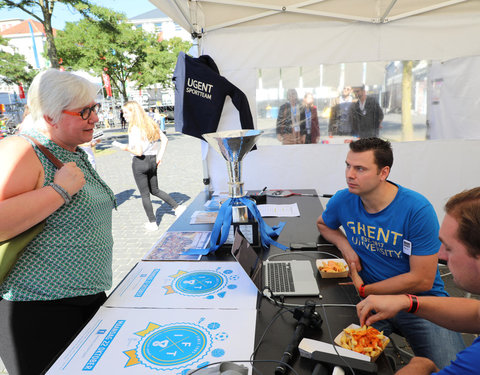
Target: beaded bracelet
(361, 291)
(60, 190)
(414, 305)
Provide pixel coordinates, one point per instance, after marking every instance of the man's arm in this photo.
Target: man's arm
(336, 237)
(332, 122)
(380, 114)
(420, 278)
(456, 314)
(281, 121)
(418, 366)
(353, 119)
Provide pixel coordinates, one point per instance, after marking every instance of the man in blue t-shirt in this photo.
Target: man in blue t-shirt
(390, 242)
(460, 236)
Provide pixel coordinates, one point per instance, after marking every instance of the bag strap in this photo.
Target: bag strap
(57, 163)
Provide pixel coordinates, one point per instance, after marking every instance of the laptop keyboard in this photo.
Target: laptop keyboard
(280, 277)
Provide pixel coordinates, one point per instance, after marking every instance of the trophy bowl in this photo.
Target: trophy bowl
(233, 145)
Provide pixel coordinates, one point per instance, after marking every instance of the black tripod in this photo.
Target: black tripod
(307, 317)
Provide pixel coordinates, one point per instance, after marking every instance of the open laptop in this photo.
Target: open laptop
(286, 278)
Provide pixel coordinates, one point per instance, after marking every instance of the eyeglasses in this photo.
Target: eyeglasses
(86, 112)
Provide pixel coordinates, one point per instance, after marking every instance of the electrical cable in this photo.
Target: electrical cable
(245, 361)
(331, 339)
(323, 306)
(304, 253)
(284, 305)
(275, 317)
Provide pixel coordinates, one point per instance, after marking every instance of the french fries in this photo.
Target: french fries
(365, 340)
(333, 266)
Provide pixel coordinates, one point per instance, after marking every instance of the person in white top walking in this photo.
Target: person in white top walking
(144, 138)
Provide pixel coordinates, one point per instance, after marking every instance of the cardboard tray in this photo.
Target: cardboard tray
(330, 275)
(337, 341)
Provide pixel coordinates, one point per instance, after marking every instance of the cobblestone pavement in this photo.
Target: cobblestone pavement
(180, 175)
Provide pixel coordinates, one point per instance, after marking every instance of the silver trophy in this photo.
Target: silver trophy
(233, 145)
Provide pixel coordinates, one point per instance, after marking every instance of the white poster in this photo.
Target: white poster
(158, 341)
(214, 285)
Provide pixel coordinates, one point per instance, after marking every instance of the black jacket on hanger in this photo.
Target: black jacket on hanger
(200, 93)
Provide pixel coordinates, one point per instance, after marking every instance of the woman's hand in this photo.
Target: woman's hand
(95, 142)
(70, 177)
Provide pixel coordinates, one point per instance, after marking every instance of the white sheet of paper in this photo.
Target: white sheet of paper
(216, 285)
(157, 341)
(118, 144)
(246, 230)
(203, 217)
(278, 210)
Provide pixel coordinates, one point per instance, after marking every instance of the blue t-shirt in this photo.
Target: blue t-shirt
(466, 363)
(383, 240)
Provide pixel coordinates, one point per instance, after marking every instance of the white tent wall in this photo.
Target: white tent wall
(437, 169)
(454, 108)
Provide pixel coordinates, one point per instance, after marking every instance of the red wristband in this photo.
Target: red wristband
(361, 291)
(414, 305)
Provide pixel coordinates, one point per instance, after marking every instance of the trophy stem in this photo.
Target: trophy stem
(235, 185)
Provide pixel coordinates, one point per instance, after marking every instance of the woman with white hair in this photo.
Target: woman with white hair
(60, 280)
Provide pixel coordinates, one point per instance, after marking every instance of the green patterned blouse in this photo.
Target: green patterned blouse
(72, 256)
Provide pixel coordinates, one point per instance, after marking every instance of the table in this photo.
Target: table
(297, 229)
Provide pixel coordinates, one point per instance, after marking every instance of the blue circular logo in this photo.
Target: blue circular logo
(173, 346)
(201, 282)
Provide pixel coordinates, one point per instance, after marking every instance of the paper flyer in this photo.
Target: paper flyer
(157, 341)
(215, 203)
(279, 210)
(215, 285)
(172, 245)
(203, 217)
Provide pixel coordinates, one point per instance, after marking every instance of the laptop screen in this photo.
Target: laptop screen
(244, 253)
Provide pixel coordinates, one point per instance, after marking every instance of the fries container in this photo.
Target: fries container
(331, 275)
(337, 341)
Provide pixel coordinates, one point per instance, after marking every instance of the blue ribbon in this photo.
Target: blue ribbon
(224, 221)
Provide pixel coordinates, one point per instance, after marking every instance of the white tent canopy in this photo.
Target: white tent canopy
(329, 31)
(243, 36)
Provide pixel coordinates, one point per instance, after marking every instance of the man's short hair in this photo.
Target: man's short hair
(359, 88)
(465, 208)
(382, 150)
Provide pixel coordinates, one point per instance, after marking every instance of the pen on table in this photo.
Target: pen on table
(347, 283)
(263, 190)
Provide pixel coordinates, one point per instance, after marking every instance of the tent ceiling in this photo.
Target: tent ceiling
(244, 34)
(209, 15)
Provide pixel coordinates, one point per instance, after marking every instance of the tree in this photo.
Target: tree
(160, 62)
(14, 69)
(45, 7)
(407, 80)
(114, 47)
